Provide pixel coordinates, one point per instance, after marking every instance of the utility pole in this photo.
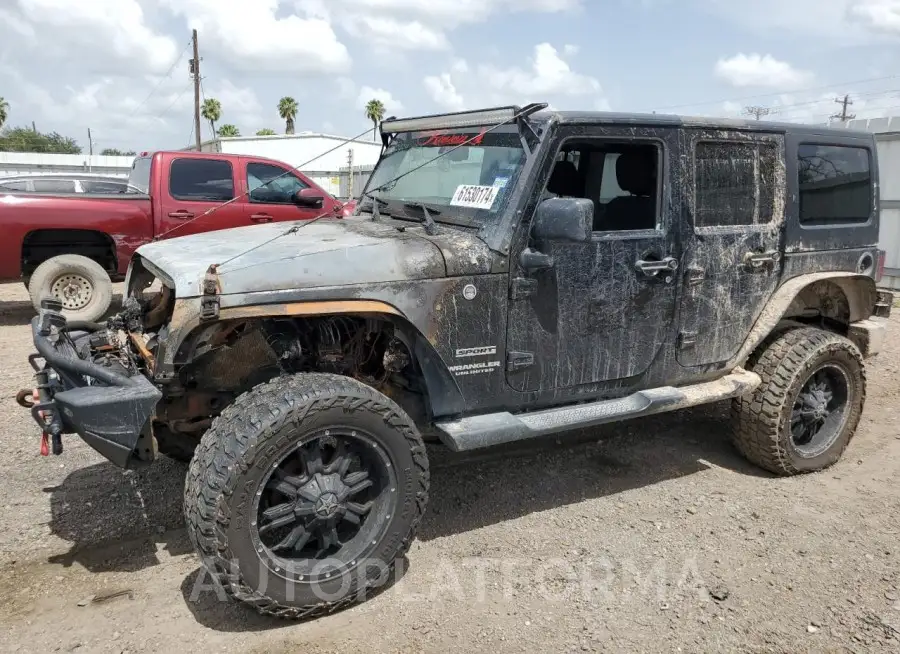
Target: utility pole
(90, 150)
(757, 112)
(350, 190)
(845, 102)
(195, 71)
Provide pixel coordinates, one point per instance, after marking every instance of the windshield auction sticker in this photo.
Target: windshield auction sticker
(476, 197)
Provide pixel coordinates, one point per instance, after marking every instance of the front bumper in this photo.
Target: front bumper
(109, 410)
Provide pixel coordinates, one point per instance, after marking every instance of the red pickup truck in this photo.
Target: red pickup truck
(72, 246)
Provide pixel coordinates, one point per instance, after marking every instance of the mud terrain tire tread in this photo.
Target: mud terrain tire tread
(782, 362)
(227, 450)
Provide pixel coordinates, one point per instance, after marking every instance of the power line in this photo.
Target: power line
(844, 116)
(757, 111)
(163, 79)
(777, 93)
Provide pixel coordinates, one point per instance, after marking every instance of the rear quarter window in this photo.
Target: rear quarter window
(835, 184)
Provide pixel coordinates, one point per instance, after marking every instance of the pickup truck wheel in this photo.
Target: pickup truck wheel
(803, 415)
(305, 492)
(81, 284)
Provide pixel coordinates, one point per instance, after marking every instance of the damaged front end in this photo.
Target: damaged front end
(90, 382)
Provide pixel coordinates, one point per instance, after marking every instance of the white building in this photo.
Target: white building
(887, 140)
(322, 157)
(35, 163)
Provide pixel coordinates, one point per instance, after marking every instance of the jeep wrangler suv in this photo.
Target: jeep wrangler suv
(508, 273)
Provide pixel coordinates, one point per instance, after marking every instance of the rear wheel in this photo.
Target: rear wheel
(80, 284)
(305, 492)
(803, 415)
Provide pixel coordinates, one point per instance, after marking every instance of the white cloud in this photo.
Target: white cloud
(877, 15)
(443, 91)
(240, 106)
(570, 49)
(367, 93)
(548, 77)
(250, 36)
(744, 70)
(390, 33)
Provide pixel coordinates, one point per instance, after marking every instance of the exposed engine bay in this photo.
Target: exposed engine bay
(215, 363)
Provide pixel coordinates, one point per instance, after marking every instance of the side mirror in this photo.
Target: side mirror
(308, 197)
(564, 219)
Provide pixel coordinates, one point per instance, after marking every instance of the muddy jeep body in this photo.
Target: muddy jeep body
(537, 313)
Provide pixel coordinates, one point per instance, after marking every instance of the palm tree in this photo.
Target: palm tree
(265, 131)
(4, 111)
(228, 130)
(287, 109)
(375, 113)
(211, 111)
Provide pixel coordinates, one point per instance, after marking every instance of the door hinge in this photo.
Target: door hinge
(522, 287)
(687, 340)
(209, 301)
(519, 360)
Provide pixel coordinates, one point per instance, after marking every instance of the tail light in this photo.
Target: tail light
(879, 265)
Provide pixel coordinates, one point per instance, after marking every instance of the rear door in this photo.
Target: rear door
(733, 244)
(271, 189)
(192, 196)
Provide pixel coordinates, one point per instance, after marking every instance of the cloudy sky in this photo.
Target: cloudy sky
(120, 67)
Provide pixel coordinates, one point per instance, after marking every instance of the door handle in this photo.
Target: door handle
(757, 260)
(181, 213)
(653, 268)
(261, 218)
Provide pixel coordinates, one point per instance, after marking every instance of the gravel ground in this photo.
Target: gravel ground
(651, 535)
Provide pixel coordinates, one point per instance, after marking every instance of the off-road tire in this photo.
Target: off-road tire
(175, 446)
(245, 440)
(40, 285)
(761, 420)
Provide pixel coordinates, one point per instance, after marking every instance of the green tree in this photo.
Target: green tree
(211, 110)
(265, 131)
(228, 130)
(116, 152)
(4, 110)
(25, 139)
(287, 109)
(375, 113)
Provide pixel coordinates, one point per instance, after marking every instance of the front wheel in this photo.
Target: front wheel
(305, 492)
(803, 415)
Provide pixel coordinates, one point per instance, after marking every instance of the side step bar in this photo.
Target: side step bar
(491, 429)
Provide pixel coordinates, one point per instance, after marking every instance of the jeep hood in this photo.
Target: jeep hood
(330, 252)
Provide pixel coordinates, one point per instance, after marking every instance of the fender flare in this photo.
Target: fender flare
(860, 303)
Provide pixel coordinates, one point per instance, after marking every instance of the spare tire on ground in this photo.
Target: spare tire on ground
(81, 284)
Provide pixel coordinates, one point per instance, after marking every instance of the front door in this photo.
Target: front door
(271, 191)
(603, 309)
(732, 247)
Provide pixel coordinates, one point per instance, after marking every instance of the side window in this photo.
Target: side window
(19, 185)
(622, 180)
(53, 186)
(92, 186)
(735, 183)
(835, 184)
(271, 185)
(209, 180)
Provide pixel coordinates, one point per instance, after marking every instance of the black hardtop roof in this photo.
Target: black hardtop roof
(671, 120)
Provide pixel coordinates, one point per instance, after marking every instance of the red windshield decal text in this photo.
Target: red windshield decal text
(443, 140)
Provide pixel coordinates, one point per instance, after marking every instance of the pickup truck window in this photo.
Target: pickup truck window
(53, 186)
(201, 179)
(139, 177)
(263, 189)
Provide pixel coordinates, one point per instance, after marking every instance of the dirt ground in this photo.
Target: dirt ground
(650, 536)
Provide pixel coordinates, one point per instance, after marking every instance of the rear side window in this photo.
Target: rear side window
(835, 184)
(53, 186)
(735, 183)
(201, 179)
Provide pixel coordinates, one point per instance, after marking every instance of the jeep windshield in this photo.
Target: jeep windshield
(466, 185)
